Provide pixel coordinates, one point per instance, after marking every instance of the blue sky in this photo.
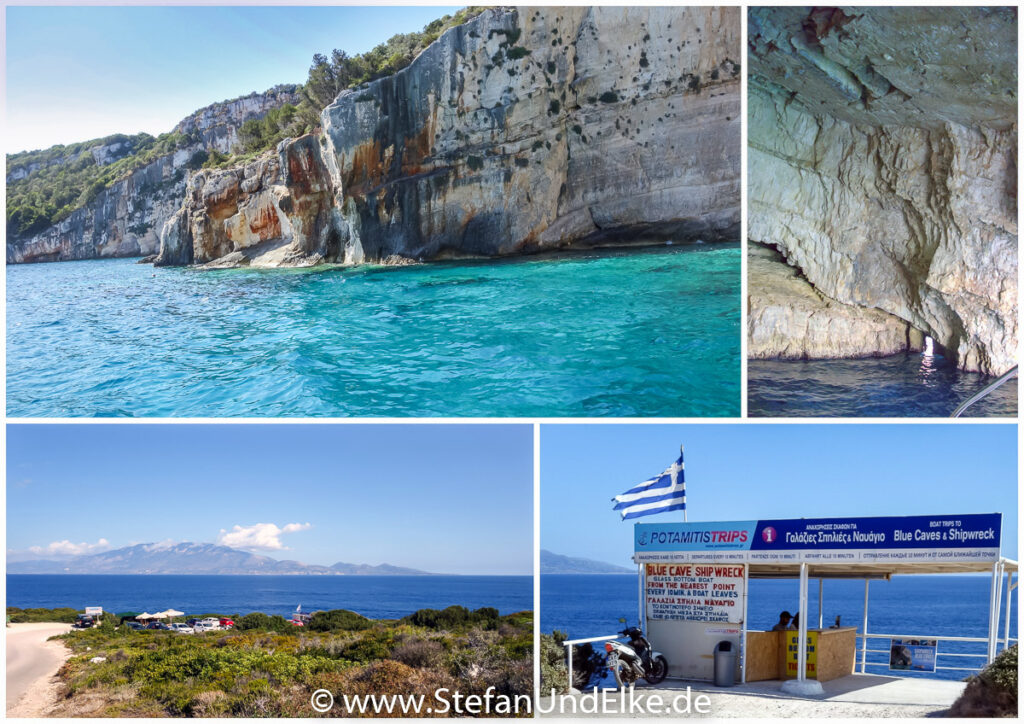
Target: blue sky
(76, 73)
(441, 498)
(746, 472)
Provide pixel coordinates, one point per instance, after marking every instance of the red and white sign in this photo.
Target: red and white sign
(694, 592)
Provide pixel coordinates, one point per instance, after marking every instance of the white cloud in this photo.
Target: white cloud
(262, 536)
(67, 548)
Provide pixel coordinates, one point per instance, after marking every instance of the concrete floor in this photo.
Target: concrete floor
(858, 695)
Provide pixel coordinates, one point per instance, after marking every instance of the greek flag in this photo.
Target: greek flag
(659, 494)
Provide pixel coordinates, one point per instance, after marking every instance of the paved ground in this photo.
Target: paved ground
(32, 662)
(859, 695)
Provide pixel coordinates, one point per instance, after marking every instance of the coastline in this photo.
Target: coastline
(560, 252)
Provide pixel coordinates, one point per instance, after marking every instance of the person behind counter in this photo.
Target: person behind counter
(795, 623)
(783, 624)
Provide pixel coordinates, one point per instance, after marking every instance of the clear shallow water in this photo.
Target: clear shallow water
(636, 333)
(899, 386)
(371, 596)
(585, 606)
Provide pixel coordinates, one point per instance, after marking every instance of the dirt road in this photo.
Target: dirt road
(32, 662)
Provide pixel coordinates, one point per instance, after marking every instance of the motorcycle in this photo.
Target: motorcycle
(629, 662)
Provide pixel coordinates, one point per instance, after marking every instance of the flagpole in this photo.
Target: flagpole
(684, 508)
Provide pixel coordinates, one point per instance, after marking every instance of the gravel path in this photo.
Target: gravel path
(32, 662)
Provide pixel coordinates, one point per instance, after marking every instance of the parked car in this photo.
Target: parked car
(296, 622)
(203, 627)
(157, 626)
(84, 621)
(192, 621)
(134, 625)
(226, 623)
(182, 628)
(213, 622)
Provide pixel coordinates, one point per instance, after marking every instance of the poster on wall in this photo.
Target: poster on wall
(913, 654)
(793, 653)
(694, 592)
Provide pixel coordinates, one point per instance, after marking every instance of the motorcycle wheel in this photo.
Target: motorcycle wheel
(621, 681)
(659, 670)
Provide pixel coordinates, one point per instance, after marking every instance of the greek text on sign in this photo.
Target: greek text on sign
(694, 592)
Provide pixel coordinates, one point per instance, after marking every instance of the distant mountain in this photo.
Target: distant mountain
(193, 559)
(555, 563)
(362, 569)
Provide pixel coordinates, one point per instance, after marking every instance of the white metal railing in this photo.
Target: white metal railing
(990, 387)
(574, 642)
(864, 650)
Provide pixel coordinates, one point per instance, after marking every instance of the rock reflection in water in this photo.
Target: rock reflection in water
(911, 385)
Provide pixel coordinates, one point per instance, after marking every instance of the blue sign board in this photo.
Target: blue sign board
(947, 537)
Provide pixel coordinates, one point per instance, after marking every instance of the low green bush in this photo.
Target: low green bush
(42, 615)
(338, 620)
(255, 671)
(993, 692)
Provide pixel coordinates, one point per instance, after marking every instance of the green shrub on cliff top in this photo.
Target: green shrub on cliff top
(993, 692)
(338, 620)
(454, 618)
(61, 179)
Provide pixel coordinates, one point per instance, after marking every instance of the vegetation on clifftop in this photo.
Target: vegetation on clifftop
(61, 179)
(262, 669)
(41, 615)
(329, 76)
(993, 692)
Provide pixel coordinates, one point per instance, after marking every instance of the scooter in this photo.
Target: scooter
(629, 662)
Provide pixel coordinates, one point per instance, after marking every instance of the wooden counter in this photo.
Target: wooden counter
(831, 654)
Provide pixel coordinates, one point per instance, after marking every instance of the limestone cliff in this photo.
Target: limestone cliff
(125, 219)
(882, 164)
(272, 212)
(521, 130)
(789, 319)
(215, 127)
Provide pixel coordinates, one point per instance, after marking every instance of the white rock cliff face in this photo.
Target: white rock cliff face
(882, 164)
(125, 219)
(521, 130)
(816, 327)
(216, 126)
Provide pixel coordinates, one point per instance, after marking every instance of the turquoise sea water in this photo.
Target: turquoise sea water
(631, 333)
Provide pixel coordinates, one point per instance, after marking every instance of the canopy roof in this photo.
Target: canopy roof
(872, 570)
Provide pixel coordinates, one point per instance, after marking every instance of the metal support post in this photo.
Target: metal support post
(864, 631)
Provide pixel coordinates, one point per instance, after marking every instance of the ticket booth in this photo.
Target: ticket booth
(694, 585)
